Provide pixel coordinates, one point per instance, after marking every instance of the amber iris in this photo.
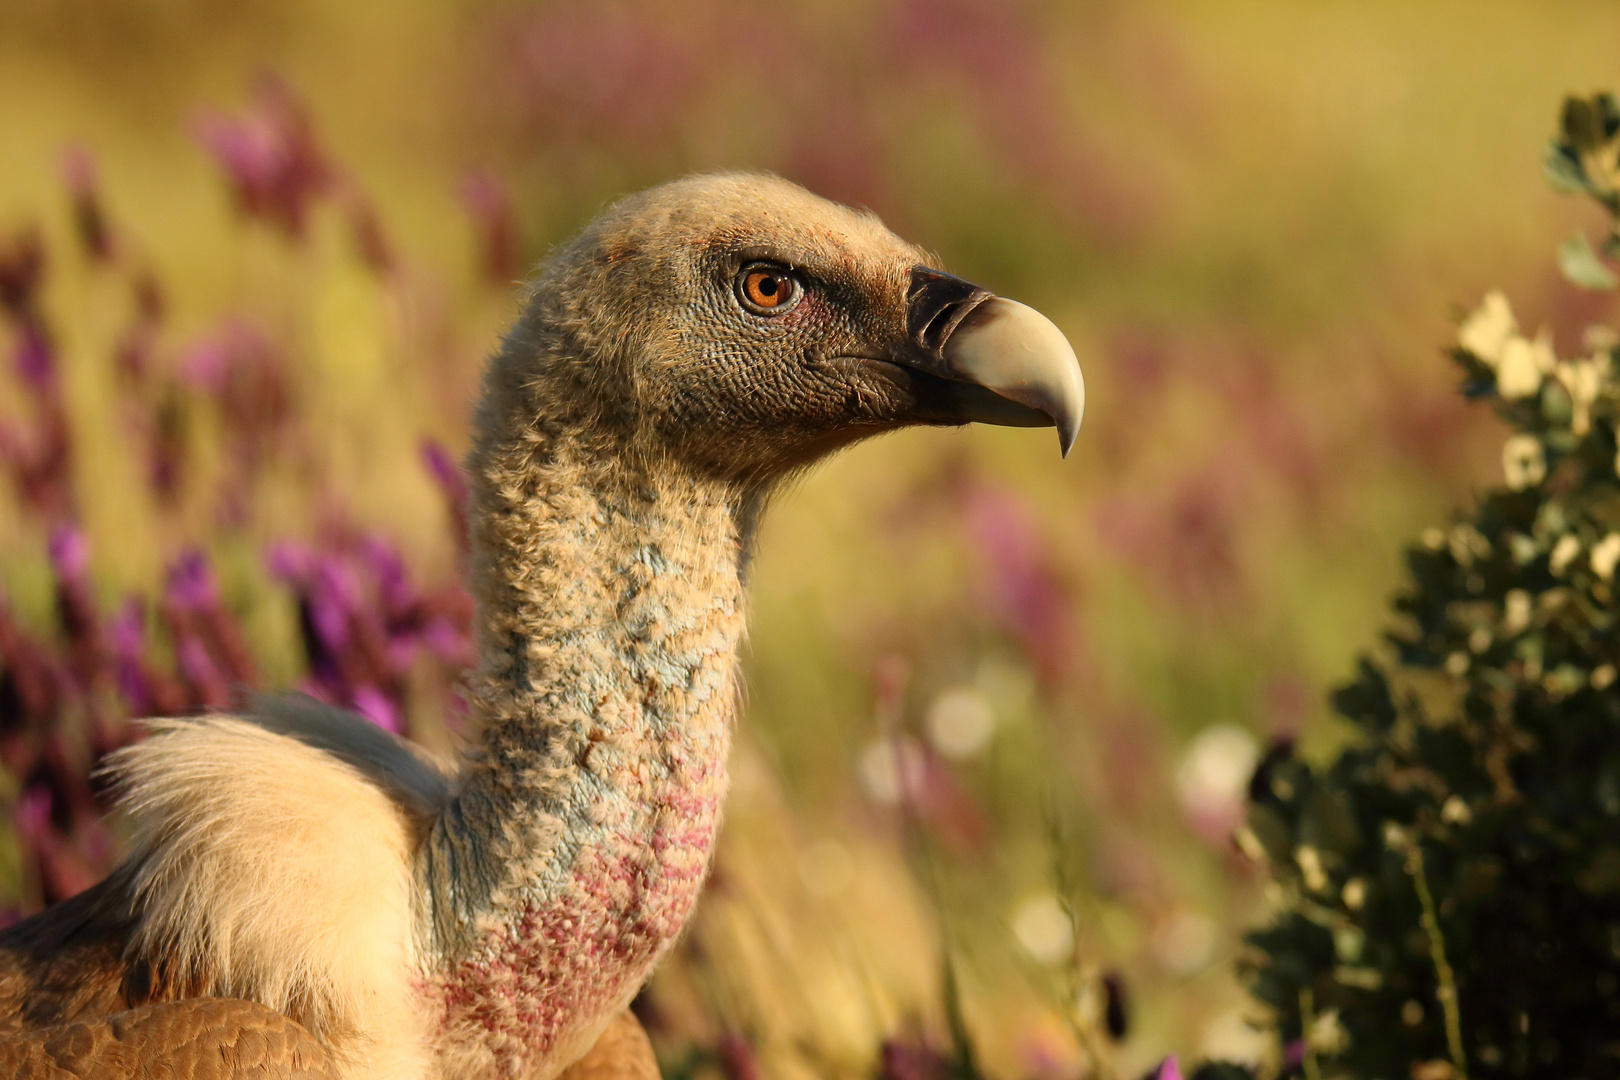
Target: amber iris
(768, 288)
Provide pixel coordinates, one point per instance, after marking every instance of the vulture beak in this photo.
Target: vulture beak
(976, 342)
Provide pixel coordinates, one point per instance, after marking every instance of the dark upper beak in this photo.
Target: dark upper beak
(983, 342)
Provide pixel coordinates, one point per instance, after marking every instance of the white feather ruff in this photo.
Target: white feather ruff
(273, 871)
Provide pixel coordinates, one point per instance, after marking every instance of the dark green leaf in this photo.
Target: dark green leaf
(1582, 266)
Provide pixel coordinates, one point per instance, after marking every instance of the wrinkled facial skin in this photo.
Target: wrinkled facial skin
(702, 378)
(798, 383)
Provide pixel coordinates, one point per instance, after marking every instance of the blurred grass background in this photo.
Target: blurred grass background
(1254, 219)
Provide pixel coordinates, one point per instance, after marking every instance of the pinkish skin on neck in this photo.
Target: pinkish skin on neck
(610, 614)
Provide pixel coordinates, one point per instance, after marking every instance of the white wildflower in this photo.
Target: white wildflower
(1468, 543)
(960, 722)
(1213, 777)
(1310, 867)
(1524, 462)
(1230, 1036)
(1485, 331)
(1564, 552)
(1456, 811)
(891, 769)
(1542, 350)
(1524, 364)
(1515, 612)
(1249, 844)
(1183, 940)
(1043, 928)
(1327, 1034)
(1582, 379)
(1605, 554)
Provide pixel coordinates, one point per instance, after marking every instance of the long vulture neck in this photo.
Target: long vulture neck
(610, 610)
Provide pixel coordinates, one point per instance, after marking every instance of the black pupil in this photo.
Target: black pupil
(767, 286)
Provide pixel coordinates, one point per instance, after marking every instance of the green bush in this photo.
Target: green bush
(1449, 885)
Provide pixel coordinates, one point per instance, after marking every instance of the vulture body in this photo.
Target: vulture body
(307, 896)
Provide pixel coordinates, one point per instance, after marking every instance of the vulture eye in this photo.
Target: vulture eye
(767, 289)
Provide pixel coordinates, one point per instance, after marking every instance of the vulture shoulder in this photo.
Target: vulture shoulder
(272, 862)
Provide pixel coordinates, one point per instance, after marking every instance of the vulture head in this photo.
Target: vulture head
(738, 325)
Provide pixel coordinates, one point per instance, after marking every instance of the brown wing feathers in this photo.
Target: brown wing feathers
(64, 963)
(66, 991)
(201, 1039)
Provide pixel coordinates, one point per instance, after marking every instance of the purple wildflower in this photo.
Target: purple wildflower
(36, 360)
(1169, 1069)
(387, 569)
(166, 447)
(404, 613)
(22, 269)
(907, 1060)
(191, 585)
(365, 622)
(449, 640)
(79, 176)
(32, 815)
(269, 155)
(602, 72)
(1024, 591)
(495, 224)
(447, 474)
(69, 553)
(22, 274)
(29, 692)
(39, 456)
(336, 596)
(246, 376)
(212, 655)
(1294, 1054)
(737, 1060)
(375, 706)
(358, 614)
(43, 816)
(204, 680)
(133, 353)
(1185, 542)
(145, 690)
(288, 560)
(126, 638)
(371, 241)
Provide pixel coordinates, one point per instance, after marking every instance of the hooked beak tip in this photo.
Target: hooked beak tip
(1019, 354)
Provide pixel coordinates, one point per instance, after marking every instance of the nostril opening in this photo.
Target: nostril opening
(936, 305)
(937, 328)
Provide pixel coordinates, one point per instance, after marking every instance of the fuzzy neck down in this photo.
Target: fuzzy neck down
(611, 608)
